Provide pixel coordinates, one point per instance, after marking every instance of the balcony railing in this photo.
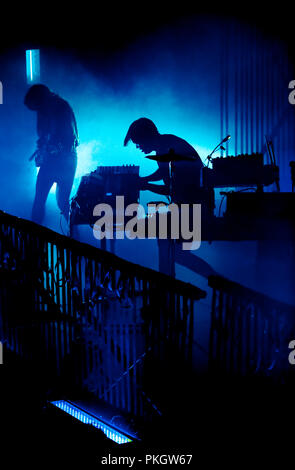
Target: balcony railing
(92, 321)
(250, 332)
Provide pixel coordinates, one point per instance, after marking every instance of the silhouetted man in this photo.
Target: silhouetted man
(186, 179)
(56, 153)
(186, 182)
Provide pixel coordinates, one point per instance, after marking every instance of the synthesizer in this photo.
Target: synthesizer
(102, 186)
(240, 170)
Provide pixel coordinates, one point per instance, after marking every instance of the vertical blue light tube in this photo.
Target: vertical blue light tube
(33, 65)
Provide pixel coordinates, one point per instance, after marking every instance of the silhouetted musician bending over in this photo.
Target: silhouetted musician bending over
(56, 153)
(145, 135)
(186, 174)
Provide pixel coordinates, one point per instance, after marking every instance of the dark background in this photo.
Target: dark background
(106, 28)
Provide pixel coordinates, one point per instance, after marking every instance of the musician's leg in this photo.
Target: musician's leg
(194, 263)
(63, 191)
(64, 188)
(43, 185)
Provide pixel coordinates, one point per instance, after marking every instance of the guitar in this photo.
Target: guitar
(46, 150)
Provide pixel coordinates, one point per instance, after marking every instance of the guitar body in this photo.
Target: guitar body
(46, 153)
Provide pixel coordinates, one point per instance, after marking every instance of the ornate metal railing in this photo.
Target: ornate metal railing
(250, 332)
(92, 321)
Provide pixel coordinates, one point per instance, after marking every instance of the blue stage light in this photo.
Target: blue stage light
(33, 65)
(86, 418)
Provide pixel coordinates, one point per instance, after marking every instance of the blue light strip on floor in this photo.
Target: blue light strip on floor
(86, 418)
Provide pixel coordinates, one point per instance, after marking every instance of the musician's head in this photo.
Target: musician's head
(144, 134)
(37, 96)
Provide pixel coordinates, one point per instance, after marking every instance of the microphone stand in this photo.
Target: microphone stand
(214, 150)
(272, 157)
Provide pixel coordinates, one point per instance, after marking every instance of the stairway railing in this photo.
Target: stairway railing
(92, 320)
(250, 332)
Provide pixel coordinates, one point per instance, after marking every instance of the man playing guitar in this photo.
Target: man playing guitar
(56, 153)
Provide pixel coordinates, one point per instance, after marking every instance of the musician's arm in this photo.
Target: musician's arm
(156, 188)
(156, 176)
